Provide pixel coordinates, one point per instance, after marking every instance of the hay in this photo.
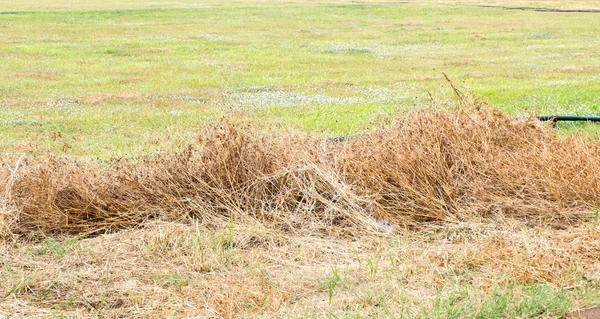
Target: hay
(428, 166)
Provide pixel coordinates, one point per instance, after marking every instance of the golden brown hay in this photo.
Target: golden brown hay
(428, 166)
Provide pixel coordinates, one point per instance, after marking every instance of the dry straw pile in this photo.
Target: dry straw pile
(428, 166)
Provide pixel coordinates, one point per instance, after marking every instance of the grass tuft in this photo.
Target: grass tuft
(432, 165)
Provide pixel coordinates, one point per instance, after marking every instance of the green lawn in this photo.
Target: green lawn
(125, 78)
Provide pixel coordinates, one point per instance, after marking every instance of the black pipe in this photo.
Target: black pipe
(552, 118)
(556, 118)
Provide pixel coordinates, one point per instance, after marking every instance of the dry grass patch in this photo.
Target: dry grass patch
(429, 166)
(247, 271)
(99, 98)
(35, 75)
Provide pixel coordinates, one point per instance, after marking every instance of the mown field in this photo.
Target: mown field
(107, 81)
(171, 159)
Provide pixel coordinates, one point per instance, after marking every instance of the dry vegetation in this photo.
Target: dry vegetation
(464, 270)
(444, 166)
(215, 230)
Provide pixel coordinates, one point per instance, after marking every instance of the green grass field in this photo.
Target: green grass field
(124, 78)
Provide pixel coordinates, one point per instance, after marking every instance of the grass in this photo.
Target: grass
(126, 78)
(445, 214)
(429, 166)
(438, 213)
(172, 269)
